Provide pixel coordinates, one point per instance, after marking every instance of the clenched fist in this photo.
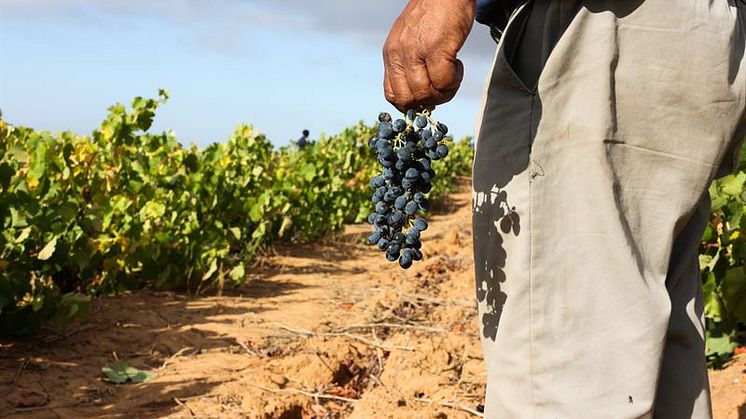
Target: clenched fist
(421, 68)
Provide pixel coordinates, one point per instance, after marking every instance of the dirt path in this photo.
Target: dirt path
(296, 341)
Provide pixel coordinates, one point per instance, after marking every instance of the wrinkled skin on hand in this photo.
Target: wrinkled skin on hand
(421, 68)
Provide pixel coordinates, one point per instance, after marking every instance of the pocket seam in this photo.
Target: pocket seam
(613, 142)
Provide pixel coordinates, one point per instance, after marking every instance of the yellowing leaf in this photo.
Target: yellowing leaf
(24, 235)
(213, 268)
(236, 232)
(237, 273)
(48, 250)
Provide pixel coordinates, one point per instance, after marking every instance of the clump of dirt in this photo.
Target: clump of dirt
(312, 335)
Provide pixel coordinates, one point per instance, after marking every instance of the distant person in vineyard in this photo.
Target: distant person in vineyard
(303, 140)
(604, 122)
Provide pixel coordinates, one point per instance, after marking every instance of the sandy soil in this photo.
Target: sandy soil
(323, 330)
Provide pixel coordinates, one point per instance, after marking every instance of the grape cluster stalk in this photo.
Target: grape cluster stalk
(405, 148)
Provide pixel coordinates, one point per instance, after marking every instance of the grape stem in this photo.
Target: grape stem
(399, 141)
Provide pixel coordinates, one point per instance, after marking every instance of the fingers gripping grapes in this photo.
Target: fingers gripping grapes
(420, 65)
(405, 149)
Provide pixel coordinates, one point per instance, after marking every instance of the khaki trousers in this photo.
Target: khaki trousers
(590, 198)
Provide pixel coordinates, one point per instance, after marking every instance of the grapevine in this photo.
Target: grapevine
(405, 149)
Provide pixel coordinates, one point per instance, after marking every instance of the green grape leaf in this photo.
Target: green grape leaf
(720, 340)
(255, 214)
(709, 234)
(734, 293)
(718, 199)
(19, 154)
(733, 184)
(121, 372)
(712, 303)
(720, 345)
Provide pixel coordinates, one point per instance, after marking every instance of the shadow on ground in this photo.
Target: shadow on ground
(40, 375)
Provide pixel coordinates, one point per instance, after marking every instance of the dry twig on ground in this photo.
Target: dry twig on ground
(16, 376)
(305, 393)
(392, 326)
(55, 338)
(182, 404)
(344, 334)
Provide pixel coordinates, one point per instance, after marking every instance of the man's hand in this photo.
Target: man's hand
(421, 68)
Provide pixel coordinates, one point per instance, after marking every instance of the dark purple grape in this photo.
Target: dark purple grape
(385, 130)
(420, 224)
(377, 182)
(421, 121)
(396, 217)
(411, 208)
(442, 150)
(401, 202)
(400, 125)
(442, 128)
(405, 262)
(414, 233)
(404, 154)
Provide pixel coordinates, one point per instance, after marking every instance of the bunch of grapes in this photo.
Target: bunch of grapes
(406, 149)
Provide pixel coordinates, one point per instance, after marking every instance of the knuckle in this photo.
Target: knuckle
(422, 95)
(389, 49)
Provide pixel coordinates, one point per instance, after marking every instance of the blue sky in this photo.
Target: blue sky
(281, 65)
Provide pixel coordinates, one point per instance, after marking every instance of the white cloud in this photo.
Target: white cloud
(216, 24)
